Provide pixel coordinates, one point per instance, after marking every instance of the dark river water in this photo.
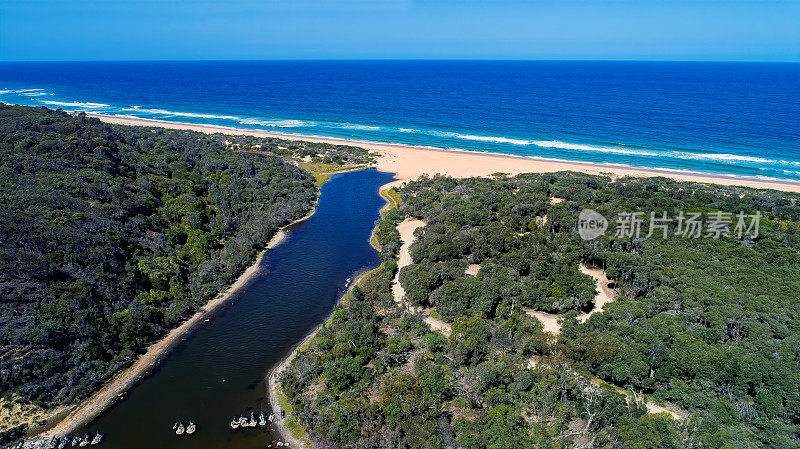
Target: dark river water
(219, 370)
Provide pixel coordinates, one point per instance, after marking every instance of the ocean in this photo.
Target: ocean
(740, 119)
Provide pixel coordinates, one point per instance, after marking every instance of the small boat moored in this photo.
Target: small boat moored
(180, 430)
(190, 428)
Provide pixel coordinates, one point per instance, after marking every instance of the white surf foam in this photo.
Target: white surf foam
(277, 123)
(686, 155)
(75, 104)
(722, 157)
(592, 148)
(182, 114)
(360, 127)
(481, 138)
(25, 92)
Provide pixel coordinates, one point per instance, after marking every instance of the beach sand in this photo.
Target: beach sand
(409, 162)
(406, 162)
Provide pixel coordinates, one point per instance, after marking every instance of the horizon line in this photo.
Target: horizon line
(754, 61)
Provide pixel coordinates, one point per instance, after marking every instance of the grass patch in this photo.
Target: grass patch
(291, 424)
(322, 172)
(392, 196)
(320, 179)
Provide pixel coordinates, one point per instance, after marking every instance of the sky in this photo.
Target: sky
(50, 30)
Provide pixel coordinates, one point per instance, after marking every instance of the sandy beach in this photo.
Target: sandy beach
(114, 390)
(409, 162)
(406, 162)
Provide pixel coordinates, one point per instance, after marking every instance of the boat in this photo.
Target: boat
(180, 429)
(262, 420)
(271, 417)
(97, 438)
(243, 421)
(63, 443)
(75, 441)
(174, 426)
(190, 428)
(235, 423)
(252, 422)
(84, 441)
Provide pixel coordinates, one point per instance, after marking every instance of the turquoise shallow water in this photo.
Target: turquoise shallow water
(732, 118)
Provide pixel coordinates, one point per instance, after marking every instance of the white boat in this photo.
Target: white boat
(63, 443)
(271, 417)
(235, 423)
(75, 441)
(84, 441)
(262, 420)
(252, 422)
(174, 426)
(190, 428)
(180, 429)
(97, 438)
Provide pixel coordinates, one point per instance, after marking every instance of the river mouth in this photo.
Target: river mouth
(217, 372)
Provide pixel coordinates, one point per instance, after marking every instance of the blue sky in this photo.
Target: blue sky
(398, 29)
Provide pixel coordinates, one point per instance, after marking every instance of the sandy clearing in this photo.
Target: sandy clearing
(671, 409)
(472, 269)
(605, 294)
(406, 229)
(437, 325)
(549, 320)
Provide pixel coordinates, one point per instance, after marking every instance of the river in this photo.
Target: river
(218, 370)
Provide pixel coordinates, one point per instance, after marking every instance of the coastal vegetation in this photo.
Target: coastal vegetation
(706, 327)
(114, 235)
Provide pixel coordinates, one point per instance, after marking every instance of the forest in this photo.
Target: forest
(708, 328)
(113, 235)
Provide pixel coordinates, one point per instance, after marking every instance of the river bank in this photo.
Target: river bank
(114, 389)
(285, 425)
(299, 438)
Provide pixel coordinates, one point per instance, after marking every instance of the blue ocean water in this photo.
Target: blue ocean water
(732, 118)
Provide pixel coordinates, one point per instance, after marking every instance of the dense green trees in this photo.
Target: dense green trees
(113, 235)
(708, 324)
